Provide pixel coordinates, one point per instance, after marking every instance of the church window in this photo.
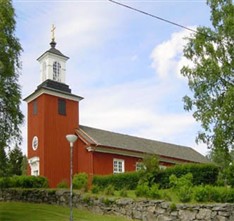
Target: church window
(34, 164)
(35, 107)
(62, 106)
(140, 166)
(56, 71)
(118, 166)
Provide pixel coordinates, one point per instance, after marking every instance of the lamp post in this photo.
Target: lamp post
(71, 138)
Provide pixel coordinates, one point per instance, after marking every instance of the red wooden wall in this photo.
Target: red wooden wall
(51, 129)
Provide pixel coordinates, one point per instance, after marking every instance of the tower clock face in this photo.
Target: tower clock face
(35, 142)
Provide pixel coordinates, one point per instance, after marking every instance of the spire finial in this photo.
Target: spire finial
(52, 31)
(53, 43)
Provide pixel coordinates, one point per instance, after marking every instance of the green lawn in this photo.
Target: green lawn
(16, 211)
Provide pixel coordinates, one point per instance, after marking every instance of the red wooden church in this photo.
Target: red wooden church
(53, 112)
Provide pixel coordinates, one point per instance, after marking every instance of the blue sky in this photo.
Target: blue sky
(125, 64)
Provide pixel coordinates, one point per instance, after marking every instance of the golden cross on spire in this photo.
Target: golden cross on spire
(52, 31)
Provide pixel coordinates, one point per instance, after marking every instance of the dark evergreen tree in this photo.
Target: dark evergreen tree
(15, 161)
(24, 166)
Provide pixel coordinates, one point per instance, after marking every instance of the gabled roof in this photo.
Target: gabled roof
(103, 138)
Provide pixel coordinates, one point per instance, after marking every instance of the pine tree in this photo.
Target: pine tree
(15, 161)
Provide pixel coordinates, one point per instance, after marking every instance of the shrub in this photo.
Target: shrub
(110, 190)
(24, 182)
(230, 175)
(150, 167)
(154, 192)
(182, 187)
(214, 194)
(62, 185)
(173, 207)
(123, 193)
(142, 190)
(80, 181)
(203, 174)
(120, 181)
(95, 189)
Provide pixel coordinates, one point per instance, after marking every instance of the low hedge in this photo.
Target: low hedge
(213, 194)
(203, 174)
(119, 181)
(23, 182)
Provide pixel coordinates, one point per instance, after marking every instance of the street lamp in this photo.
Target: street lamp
(71, 138)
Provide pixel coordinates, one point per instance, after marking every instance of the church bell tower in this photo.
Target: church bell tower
(53, 112)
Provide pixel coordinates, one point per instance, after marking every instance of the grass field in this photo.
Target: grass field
(16, 211)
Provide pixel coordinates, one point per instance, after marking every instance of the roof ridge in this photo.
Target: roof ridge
(88, 135)
(142, 138)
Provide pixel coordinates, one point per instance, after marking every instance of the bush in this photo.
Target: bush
(95, 189)
(123, 193)
(120, 181)
(150, 167)
(142, 190)
(110, 190)
(214, 194)
(24, 182)
(62, 185)
(182, 186)
(203, 174)
(154, 192)
(205, 194)
(80, 181)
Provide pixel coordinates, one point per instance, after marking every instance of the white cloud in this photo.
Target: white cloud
(168, 56)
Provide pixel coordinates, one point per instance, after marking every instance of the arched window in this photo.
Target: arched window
(56, 71)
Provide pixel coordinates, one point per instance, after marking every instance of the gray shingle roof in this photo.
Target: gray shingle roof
(53, 50)
(110, 139)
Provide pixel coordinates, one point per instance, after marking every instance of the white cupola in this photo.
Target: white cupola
(53, 64)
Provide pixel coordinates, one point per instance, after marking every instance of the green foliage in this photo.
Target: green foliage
(154, 192)
(210, 77)
(143, 190)
(80, 181)
(23, 182)
(15, 161)
(173, 207)
(230, 175)
(107, 201)
(11, 116)
(149, 169)
(24, 165)
(87, 199)
(182, 186)
(123, 193)
(62, 185)
(3, 162)
(214, 194)
(109, 190)
(95, 189)
(202, 174)
(119, 181)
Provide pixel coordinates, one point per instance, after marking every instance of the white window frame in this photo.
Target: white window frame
(118, 166)
(34, 164)
(139, 166)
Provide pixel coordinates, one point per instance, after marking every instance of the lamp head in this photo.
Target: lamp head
(71, 138)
